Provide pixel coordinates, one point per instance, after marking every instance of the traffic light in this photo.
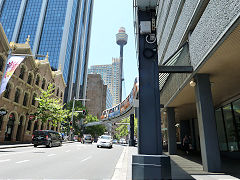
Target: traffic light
(84, 112)
(70, 122)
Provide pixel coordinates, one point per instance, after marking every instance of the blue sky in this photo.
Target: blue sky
(108, 17)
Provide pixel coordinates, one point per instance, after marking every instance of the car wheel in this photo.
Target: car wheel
(110, 147)
(49, 145)
(35, 145)
(97, 146)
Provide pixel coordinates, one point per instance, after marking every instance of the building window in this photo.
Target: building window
(57, 91)
(221, 130)
(230, 128)
(1, 66)
(34, 99)
(37, 80)
(25, 99)
(22, 72)
(17, 95)
(43, 83)
(7, 91)
(30, 76)
(29, 125)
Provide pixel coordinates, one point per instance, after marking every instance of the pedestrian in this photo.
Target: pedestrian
(186, 143)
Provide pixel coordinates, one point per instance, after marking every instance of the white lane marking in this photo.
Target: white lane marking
(5, 160)
(52, 155)
(22, 161)
(68, 151)
(86, 159)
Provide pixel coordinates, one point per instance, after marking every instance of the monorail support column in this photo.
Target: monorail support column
(207, 124)
(172, 145)
(149, 163)
(132, 141)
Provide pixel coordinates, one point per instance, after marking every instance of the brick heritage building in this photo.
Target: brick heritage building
(19, 97)
(96, 92)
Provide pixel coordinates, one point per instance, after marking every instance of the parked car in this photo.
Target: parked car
(104, 141)
(87, 138)
(46, 137)
(122, 141)
(114, 141)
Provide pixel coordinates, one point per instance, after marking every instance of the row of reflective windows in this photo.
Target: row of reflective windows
(30, 79)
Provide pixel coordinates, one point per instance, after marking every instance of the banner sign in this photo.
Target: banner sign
(12, 64)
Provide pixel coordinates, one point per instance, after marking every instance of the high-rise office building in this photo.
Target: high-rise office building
(111, 77)
(59, 27)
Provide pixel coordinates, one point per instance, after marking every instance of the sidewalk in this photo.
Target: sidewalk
(181, 168)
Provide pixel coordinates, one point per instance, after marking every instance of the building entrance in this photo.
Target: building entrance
(9, 129)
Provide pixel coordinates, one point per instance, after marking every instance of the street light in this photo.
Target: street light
(84, 112)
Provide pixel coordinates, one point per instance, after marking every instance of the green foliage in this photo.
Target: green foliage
(77, 117)
(50, 108)
(122, 130)
(93, 130)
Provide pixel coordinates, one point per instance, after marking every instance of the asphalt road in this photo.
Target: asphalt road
(70, 161)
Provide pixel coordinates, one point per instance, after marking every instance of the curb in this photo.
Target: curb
(5, 146)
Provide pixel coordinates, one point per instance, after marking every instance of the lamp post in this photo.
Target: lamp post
(70, 133)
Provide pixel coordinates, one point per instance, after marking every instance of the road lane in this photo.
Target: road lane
(75, 160)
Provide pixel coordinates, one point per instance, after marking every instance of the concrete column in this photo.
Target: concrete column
(15, 128)
(54, 128)
(39, 125)
(4, 125)
(207, 124)
(32, 127)
(22, 130)
(40, 26)
(172, 145)
(19, 21)
(149, 163)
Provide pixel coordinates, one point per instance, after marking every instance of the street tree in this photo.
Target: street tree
(96, 130)
(122, 129)
(50, 108)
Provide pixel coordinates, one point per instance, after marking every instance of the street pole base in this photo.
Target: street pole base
(131, 142)
(151, 167)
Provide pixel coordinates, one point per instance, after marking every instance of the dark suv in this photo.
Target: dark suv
(46, 137)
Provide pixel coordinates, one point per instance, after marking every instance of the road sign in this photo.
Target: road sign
(31, 117)
(3, 112)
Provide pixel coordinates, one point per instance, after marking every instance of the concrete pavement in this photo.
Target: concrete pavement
(181, 168)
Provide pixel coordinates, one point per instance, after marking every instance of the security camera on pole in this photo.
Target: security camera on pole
(121, 39)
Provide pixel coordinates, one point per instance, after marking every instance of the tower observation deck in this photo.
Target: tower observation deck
(121, 39)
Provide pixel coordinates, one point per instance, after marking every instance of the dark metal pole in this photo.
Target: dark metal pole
(131, 141)
(149, 163)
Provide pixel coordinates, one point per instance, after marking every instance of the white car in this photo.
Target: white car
(104, 141)
(122, 141)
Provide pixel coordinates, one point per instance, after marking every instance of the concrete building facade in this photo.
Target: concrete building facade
(96, 93)
(110, 74)
(18, 99)
(203, 104)
(60, 27)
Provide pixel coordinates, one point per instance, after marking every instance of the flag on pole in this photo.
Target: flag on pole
(12, 64)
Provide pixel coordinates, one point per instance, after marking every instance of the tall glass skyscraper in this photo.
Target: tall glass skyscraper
(111, 76)
(59, 27)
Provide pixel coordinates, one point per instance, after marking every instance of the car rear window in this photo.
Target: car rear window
(37, 133)
(88, 137)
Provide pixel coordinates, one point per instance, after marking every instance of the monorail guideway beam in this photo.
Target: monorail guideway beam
(150, 163)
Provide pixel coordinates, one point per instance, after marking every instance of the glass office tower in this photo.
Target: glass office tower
(59, 27)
